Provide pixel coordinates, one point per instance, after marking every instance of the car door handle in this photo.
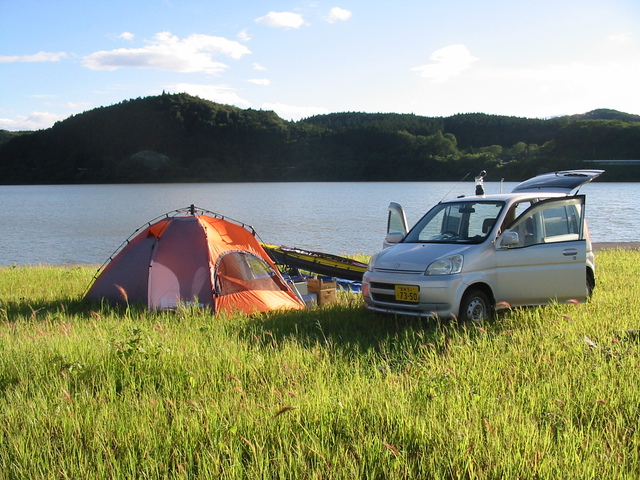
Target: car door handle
(570, 252)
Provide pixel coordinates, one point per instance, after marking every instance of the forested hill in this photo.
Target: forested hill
(182, 138)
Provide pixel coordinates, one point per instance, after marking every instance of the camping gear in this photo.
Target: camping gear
(194, 257)
(317, 262)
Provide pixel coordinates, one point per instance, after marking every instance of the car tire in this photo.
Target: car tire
(475, 306)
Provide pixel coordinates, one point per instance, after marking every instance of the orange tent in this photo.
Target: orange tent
(199, 259)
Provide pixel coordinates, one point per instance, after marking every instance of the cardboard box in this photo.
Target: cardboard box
(327, 297)
(317, 284)
(324, 289)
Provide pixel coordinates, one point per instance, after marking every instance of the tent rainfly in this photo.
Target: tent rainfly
(195, 259)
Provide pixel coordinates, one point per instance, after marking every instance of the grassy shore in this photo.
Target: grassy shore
(92, 391)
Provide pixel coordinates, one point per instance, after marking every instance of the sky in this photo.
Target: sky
(299, 58)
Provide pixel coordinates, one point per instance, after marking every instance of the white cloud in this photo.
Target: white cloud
(447, 62)
(621, 38)
(338, 14)
(38, 57)
(216, 93)
(258, 67)
(244, 36)
(128, 36)
(33, 121)
(538, 90)
(282, 20)
(168, 52)
(292, 112)
(260, 81)
(77, 106)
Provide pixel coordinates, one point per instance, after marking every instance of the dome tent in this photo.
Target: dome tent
(192, 256)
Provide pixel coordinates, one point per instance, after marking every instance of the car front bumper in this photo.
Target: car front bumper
(439, 295)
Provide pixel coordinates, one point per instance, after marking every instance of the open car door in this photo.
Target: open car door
(542, 254)
(397, 226)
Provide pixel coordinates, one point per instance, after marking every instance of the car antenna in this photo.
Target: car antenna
(459, 181)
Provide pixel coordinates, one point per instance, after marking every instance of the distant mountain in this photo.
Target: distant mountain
(607, 114)
(169, 138)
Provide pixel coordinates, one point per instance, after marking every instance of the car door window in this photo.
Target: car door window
(561, 224)
(514, 212)
(549, 221)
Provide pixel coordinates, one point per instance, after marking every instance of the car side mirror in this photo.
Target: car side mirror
(509, 239)
(393, 237)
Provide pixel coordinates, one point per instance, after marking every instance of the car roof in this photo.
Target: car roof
(547, 185)
(505, 197)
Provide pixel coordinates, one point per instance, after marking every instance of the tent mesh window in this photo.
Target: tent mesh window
(242, 271)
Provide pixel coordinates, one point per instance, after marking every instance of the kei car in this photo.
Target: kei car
(468, 255)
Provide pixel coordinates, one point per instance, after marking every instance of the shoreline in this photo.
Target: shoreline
(598, 246)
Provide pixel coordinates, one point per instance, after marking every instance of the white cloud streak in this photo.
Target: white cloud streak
(446, 63)
(285, 20)
(38, 57)
(33, 121)
(338, 14)
(170, 53)
(260, 81)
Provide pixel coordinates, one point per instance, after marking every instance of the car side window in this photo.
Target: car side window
(561, 224)
(558, 222)
(515, 211)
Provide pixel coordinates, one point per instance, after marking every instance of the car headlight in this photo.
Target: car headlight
(372, 262)
(445, 265)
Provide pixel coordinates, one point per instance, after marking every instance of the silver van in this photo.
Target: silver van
(468, 255)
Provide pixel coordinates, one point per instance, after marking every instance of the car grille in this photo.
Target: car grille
(407, 272)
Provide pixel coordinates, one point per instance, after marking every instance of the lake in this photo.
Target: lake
(85, 224)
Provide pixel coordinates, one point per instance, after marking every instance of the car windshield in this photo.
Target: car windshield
(457, 222)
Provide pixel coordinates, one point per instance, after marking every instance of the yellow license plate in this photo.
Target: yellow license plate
(408, 293)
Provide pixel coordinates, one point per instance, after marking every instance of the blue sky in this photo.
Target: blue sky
(304, 57)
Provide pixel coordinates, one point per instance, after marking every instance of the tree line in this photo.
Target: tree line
(181, 138)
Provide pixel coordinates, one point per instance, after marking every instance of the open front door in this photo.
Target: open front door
(396, 225)
(542, 255)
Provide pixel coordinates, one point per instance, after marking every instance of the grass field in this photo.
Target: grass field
(97, 392)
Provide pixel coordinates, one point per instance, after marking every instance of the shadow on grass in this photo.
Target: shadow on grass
(22, 310)
(348, 326)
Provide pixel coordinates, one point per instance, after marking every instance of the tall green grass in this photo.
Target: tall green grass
(92, 391)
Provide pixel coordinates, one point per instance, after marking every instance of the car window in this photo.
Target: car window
(459, 222)
(558, 222)
(514, 212)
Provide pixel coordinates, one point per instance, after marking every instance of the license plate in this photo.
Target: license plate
(408, 293)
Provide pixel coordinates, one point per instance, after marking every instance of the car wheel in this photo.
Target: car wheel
(475, 306)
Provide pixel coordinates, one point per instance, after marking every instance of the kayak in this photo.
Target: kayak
(317, 262)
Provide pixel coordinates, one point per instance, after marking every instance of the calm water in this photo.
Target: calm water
(67, 224)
